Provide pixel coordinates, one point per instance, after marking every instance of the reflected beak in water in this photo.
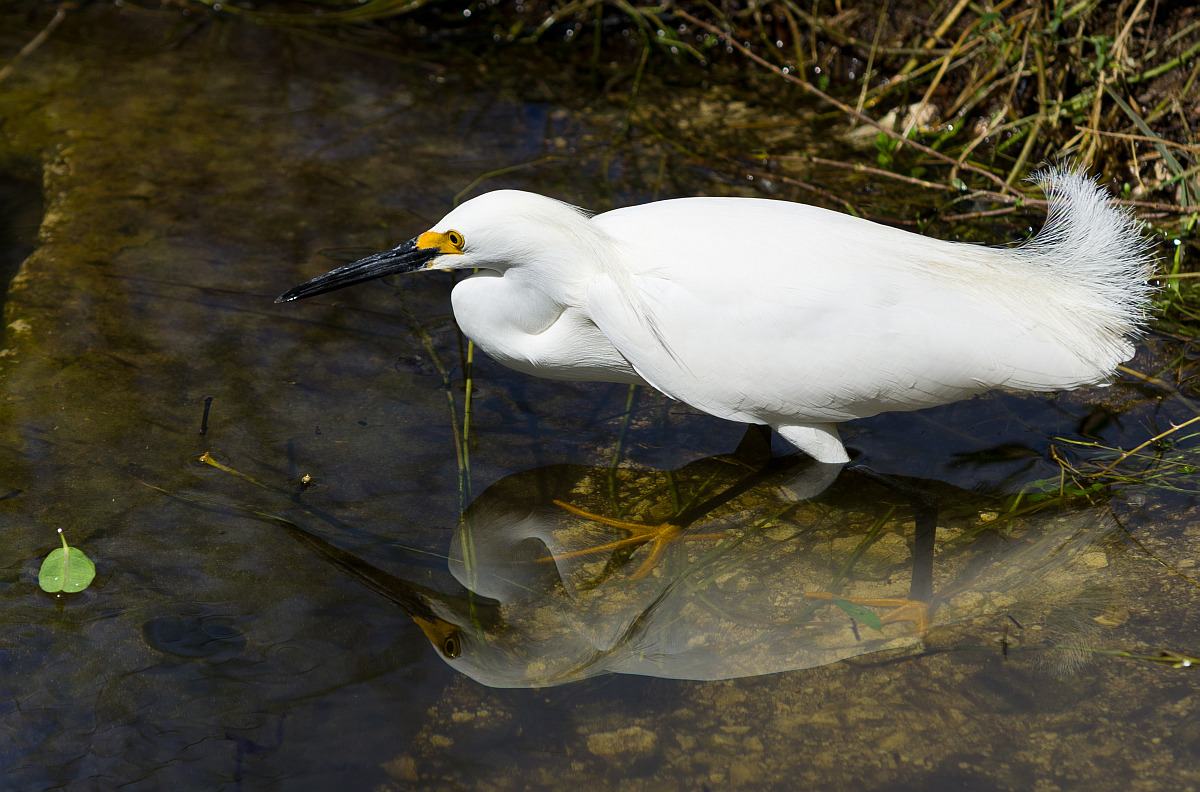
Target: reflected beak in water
(405, 257)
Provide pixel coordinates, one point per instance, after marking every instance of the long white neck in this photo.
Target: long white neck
(527, 306)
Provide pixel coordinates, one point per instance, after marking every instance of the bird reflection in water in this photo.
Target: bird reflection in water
(538, 605)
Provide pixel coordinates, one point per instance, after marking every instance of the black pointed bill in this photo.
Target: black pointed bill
(405, 257)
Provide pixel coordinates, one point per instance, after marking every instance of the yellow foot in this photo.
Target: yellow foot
(908, 610)
(657, 536)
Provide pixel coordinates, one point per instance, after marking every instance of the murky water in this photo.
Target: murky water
(334, 620)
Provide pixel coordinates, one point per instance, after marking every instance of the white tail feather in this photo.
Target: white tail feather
(1084, 280)
(1100, 261)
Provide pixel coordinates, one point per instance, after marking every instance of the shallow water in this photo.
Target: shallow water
(259, 632)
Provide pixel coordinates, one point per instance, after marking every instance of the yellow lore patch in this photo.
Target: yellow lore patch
(448, 243)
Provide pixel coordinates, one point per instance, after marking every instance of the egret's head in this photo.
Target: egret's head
(493, 231)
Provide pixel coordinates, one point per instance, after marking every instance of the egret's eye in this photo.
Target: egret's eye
(455, 239)
(451, 646)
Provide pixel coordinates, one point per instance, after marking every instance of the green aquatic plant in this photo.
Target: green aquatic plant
(859, 613)
(1168, 460)
(66, 569)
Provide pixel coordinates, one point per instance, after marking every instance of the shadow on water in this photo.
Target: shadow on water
(20, 216)
(179, 189)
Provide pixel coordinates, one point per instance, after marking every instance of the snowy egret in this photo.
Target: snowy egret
(777, 313)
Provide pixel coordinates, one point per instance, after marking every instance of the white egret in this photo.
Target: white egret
(777, 313)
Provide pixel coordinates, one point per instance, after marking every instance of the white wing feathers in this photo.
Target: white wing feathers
(815, 316)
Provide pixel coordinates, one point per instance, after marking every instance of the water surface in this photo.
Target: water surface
(261, 634)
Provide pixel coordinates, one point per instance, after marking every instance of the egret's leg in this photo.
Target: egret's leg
(754, 450)
(925, 506)
(819, 440)
(916, 608)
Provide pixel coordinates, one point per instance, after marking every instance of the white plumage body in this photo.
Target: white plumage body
(789, 315)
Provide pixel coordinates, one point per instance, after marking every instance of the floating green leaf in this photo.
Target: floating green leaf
(66, 569)
(859, 613)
